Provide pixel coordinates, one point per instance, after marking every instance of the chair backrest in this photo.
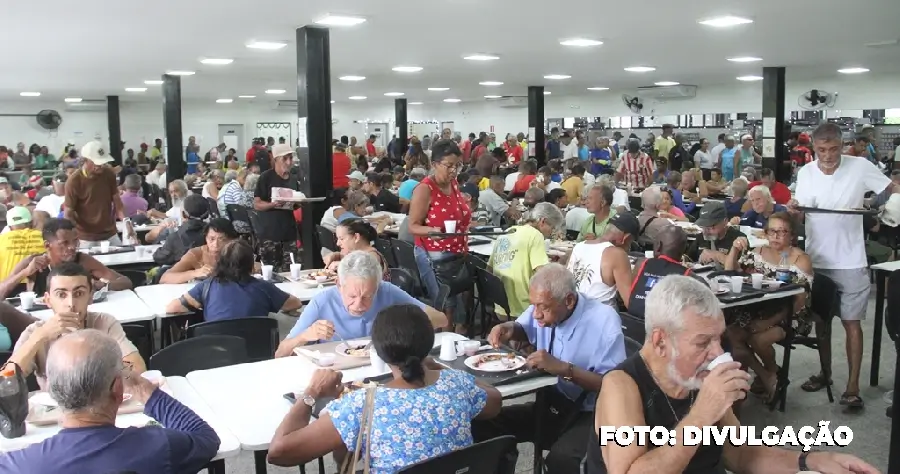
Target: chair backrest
(480, 458)
(237, 213)
(633, 326)
(631, 346)
(403, 280)
(253, 217)
(405, 254)
(199, 353)
(494, 293)
(213, 207)
(327, 239)
(260, 333)
(825, 298)
(383, 245)
(141, 337)
(137, 277)
(892, 313)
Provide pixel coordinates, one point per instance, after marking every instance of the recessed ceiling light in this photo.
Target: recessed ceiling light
(357, 97)
(275, 91)
(557, 77)
(352, 78)
(30, 94)
(547, 92)
(217, 61)
(725, 21)
(393, 94)
(481, 57)
(340, 20)
(640, 69)
(246, 97)
(598, 88)
(749, 78)
(580, 42)
(181, 73)
(744, 59)
(415, 103)
(224, 101)
(135, 89)
(493, 97)
(452, 100)
(438, 89)
(154, 82)
(491, 83)
(73, 100)
(853, 70)
(666, 83)
(270, 45)
(406, 69)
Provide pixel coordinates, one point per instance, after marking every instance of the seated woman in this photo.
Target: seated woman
(330, 219)
(754, 329)
(762, 206)
(353, 235)
(424, 412)
(232, 292)
(666, 209)
(198, 262)
(735, 204)
(348, 309)
(356, 206)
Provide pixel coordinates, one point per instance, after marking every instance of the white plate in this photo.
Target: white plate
(722, 291)
(341, 348)
(494, 366)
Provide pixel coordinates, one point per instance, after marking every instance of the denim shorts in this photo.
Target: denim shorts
(429, 279)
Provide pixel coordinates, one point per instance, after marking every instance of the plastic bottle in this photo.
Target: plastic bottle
(13, 403)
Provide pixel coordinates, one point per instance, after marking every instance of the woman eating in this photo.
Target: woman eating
(668, 210)
(232, 292)
(198, 262)
(353, 235)
(423, 412)
(754, 329)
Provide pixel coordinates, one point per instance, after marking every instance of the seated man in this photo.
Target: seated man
(348, 309)
(198, 262)
(667, 384)
(578, 340)
(68, 295)
(61, 244)
(718, 236)
(189, 235)
(86, 376)
(669, 248)
(20, 242)
(493, 204)
(761, 207)
(650, 222)
(598, 202)
(601, 267)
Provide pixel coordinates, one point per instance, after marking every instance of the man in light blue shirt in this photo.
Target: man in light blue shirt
(578, 340)
(405, 191)
(347, 310)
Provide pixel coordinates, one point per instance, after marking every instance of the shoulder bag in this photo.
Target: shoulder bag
(364, 436)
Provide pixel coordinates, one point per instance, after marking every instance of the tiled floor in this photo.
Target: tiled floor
(871, 428)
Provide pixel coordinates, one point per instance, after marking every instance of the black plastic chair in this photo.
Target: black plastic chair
(633, 326)
(200, 353)
(137, 277)
(492, 294)
(213, 207)
(403, 280)
(383, 245)
(404, 252)
(237, 213)
(327, 239)
(631, 346)
(142, 337)
(440, 301)
(486, 457)
(260, 333)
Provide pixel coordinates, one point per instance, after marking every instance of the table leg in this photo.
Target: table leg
(216, 467)
(165, 333)
(540, 408)
(894, 459)
(259, 459)
(880, 284)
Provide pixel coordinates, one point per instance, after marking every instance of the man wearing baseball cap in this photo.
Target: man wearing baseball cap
(89, 192)
(22, 240)
(718, 236)
(601, 267)
(278, 230)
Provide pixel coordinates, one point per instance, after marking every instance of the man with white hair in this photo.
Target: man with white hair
(88, 379)
(836, 243)
(348, 309)
(650, 222)
(158, 175)
(762, 206)
(599, 203)
(233, 190)
(668, 384)
(578, 340)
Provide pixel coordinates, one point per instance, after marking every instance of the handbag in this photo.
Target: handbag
(453, 272)
(364, 435)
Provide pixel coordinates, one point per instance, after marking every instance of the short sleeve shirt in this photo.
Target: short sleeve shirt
(230, 300)
(514, 259)
(15, 246)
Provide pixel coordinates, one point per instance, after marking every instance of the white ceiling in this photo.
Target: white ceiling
(94, 48)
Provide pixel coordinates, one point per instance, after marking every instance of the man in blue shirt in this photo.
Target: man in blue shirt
(405, 191)
(578, 340)
(86, 378)
(674, 183)
(347, 310)
(762, 207)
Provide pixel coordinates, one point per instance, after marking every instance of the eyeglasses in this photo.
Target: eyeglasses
(777, 232)
(451, 168)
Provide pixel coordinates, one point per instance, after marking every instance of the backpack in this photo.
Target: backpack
(261, 158)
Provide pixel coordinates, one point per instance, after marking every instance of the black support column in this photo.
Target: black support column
(536, 148)
(171, 89)
(774, 155)
(313, 113)
(402, 125)
(115, 128)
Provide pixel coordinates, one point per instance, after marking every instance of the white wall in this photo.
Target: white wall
(142, 122)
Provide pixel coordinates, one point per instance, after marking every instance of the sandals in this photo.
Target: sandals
(852, 401)
(815, 383)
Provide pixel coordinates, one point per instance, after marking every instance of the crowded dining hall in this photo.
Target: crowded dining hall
(466, 280)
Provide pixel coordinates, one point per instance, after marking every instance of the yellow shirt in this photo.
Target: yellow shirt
(663, 146)
(574, 186)
(15, 246)
(484, 184)
(154, 152)
(514, 260)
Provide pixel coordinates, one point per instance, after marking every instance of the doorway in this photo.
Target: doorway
(232, 135)
(380, 130)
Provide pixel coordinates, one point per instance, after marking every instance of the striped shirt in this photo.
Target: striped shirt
(636, 170)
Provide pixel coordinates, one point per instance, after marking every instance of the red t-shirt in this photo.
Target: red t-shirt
(370, 149)
(780, 193)
(466, 149)
(479, 150)
(340, 168)
(513, 153)
(523, 183)
(251, 154)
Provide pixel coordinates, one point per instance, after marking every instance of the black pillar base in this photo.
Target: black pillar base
(402, 126)
(536, 124)
(176, 167)
(773, 124)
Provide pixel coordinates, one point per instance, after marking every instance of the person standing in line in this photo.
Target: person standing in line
(89, 193)
(278, 230)
(663, 144)
(704, 159)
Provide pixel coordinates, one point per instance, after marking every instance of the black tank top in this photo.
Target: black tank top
(40, 278)
(649, 273)
(657, 412)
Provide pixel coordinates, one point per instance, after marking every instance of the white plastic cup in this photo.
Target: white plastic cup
(737, 284)
(27, 299)
(448, 350)
(295, 271)
(267, 272)
(756, 279)
(724, 357)
(104, 246)
(378, 365)
(469, 348)
(649, 253)
(714, 285)
(746, 230)
(450, 226)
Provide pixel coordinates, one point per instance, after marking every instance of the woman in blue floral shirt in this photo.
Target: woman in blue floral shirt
(420, 414)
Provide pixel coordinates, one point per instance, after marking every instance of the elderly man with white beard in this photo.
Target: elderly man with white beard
(667, 384)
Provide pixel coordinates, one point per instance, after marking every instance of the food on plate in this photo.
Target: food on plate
(359, 350)
(692, 229)
(316, 274)
(507, 359)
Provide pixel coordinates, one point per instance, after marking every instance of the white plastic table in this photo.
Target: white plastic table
(145, 255)
(124, 305)
(157, 297)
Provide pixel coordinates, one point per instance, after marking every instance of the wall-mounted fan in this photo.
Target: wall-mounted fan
(816, 100)
(633, 103)
(47, 119)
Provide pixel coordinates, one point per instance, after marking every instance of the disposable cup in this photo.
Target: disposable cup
(737, 284)
(267, 272)
(27, 299)
(756, 280)
(450, 226)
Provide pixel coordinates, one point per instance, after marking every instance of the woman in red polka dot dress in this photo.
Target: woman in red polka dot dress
(435, 200)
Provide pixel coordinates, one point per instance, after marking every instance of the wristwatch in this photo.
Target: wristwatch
(570, 372)
(307, 399)
(801, 462)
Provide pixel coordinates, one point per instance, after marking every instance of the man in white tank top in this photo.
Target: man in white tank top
(601, 267)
